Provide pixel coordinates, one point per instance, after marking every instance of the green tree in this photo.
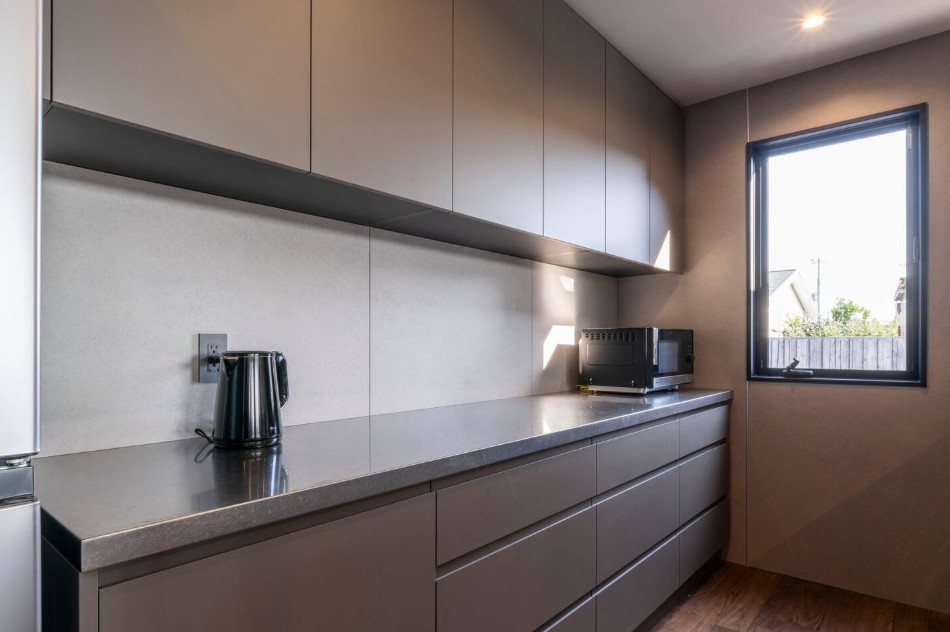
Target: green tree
(848, 319)
(844, 311)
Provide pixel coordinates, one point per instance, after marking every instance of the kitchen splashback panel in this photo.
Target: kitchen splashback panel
(132, 271)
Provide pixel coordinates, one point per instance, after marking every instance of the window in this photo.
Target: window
(837, 243)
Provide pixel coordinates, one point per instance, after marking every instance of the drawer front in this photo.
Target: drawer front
(704, 479)
(703, 538)
(370, 571)
(627, 601)
(523, 585)
(477, 512)
(583, 618)
(632, 521)
(624, 458)
(703, 429)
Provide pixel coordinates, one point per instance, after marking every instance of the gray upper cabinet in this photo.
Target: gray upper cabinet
(499, 112)
(382, 96)
(666, 183)
(574, 128)
(628, 159)
(232, 75)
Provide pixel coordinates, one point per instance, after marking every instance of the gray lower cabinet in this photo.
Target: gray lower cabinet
(581, 618)
(704, 479)
(702, 538)
(475, 513)
(633, 453)
(523, 584)
(631, 597)
(704, 428)
(574, 128)
(231, 75)
(382, 96)
(371, 571)
(667, 172)
(498, 119)
(628, 159)
(631, 521)
(529, 545)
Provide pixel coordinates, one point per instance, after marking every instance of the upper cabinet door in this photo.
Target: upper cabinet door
(499, 112)
(230, 74)
(628, 159)
(574, 128)
(382, 96)
(667, 199)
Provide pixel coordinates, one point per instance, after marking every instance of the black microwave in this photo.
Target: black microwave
(636, 359)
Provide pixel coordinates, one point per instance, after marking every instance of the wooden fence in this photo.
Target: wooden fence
(868, 353)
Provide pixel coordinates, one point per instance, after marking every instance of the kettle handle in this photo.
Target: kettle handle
(283, 384)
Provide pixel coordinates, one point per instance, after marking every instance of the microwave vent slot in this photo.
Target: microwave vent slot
(610, 336)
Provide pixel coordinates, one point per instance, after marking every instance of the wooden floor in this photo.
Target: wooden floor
(741, 599)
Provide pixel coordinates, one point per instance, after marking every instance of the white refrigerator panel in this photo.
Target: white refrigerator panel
(19, 566)
(20, 27)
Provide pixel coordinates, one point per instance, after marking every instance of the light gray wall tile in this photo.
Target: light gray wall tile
(450, 325)
(370, 321)
(132, 271)
(564, 302)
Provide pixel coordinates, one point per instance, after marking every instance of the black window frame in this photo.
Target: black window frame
(914, 120)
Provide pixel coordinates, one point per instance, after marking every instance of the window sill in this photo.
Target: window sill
(839, 381)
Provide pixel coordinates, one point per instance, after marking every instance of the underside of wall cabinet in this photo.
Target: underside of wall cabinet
(83, 139)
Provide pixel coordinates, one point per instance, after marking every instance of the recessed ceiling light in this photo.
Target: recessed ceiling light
(813, 22)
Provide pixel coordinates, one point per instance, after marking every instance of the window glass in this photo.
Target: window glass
(838, 252)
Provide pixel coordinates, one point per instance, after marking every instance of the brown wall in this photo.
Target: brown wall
(848, 486)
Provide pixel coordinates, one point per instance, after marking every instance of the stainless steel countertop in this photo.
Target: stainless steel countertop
(113, 506)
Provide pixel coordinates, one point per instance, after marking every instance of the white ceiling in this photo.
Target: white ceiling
(698, 49)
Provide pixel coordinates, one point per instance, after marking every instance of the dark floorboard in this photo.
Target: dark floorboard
(741, 599)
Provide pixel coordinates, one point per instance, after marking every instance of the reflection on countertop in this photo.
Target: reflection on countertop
(111, 506)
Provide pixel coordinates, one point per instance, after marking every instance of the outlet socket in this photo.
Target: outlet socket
(210, 346)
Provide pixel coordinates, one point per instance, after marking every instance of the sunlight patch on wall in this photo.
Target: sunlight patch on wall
(663, 257)
(558, 335)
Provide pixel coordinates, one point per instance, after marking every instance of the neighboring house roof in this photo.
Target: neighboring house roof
(792, 278)
(777, 278)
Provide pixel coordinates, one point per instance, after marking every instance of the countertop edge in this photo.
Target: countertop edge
(112, 549)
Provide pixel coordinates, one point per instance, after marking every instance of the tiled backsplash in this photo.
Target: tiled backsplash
(370, 321)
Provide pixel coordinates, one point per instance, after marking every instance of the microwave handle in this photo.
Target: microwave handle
(655, 343)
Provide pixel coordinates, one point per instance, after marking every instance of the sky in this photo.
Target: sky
(846, 204)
